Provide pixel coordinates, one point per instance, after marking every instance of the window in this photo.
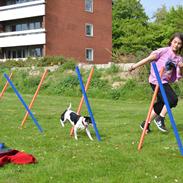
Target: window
(23, 52)
(28, 24)
(31, 26)
(24, 27)
(38, 52)
(10, 2)
(8, 54)
(89, 30)
(37, 25)
(19, 53)
(18, 27)
(13, 28)
(14, 54)
(35, 52)
(89, 5)
(89, 54)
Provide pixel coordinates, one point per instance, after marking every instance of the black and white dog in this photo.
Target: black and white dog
(79, 122)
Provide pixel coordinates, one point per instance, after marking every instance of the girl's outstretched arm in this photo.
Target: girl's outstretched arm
(143, 61)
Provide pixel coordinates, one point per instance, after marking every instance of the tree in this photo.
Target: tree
(160, 14)
(130, 25)
(175, 18)
(132, 33)
(165, 24)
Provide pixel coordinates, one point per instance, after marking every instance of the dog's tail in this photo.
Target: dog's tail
(69, 107)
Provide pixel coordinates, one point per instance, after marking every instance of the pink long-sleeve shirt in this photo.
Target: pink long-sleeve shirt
(163, 55)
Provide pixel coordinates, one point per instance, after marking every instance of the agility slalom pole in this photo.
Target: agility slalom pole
(149, 113)
(35, 95)
(5, 86)
(168, 109)
(22, 101)
(87, 103)
(82, 99)
(86, 88)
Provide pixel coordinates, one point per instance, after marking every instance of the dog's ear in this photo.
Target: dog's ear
(88, 119)
(62, 117)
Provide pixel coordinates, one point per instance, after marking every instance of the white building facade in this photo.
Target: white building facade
(22, 32)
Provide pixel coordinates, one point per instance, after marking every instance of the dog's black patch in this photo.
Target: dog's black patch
(62, 115)
(74, 117)
(87, 119)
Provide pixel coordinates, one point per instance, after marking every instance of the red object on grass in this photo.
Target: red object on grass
(16, 157)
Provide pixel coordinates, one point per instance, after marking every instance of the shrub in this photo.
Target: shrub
(40, 62)
(51, 60)
(113, 69)
(69, 65)
(115, 94)
(69, 82)
(62, 82)
(99, 83)
(135, 90)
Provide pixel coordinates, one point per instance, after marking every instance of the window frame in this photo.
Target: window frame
(24, 52)
(91, 6)
(91, 33)
(92, 55)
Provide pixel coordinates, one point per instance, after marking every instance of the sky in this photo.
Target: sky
(151, 6)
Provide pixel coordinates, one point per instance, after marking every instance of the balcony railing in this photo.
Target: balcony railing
(22, 10)
(23, 38)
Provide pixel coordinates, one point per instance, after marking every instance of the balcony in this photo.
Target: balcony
(23, 38)
(22, 10)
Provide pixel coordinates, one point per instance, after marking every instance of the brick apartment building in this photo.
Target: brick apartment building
(81, 29)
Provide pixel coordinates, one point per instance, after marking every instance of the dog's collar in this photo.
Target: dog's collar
(84, 124)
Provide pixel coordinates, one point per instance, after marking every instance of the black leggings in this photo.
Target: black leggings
(171, 96)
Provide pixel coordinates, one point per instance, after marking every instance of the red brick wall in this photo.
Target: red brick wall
(65, 25)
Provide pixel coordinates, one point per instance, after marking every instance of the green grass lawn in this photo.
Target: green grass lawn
(115, 159)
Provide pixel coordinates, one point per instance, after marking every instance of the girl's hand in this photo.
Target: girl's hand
(131, 68)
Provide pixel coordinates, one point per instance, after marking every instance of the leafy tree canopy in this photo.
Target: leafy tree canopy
(129, 25)
(133, 33)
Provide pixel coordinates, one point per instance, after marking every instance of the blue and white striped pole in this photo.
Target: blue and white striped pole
(168, 109)
(87, 103)
(21, 99)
